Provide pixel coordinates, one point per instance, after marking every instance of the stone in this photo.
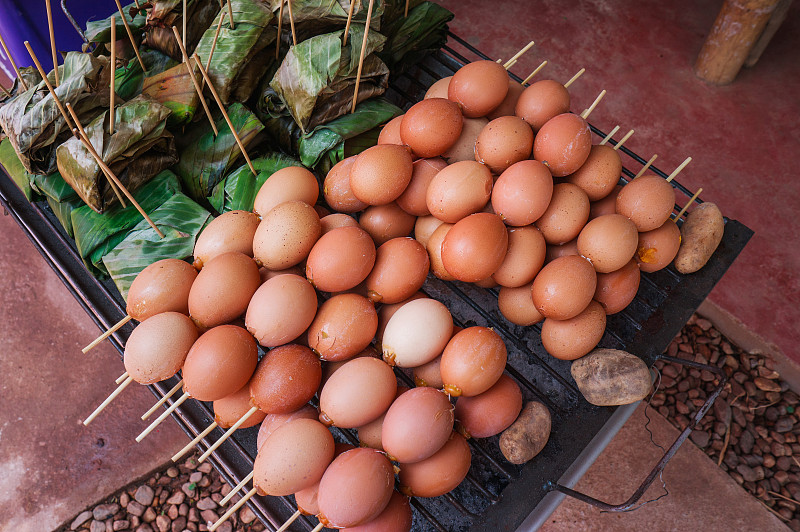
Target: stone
(97, 526)
(82, 518)
(246, 515)
(177, 498)
(225, 527)
(144, 528)
(784, 463)
(122, 524)
(205, 467)
(178, 524)
(209, 516)
(766, 385)
(124, 499)
(144, 495)
(194, 516)
(784, 424)
(189, 489)
(173, 472)
(172, 512)
(163, 523)
(226, 489)
(746, 442)
(700, 438)
(204, 482)
(191, 463)
(149, 515)
(135, 508)
(195, 477)
(747, 473)
(102, 512)
(206, 503)
(183, 509)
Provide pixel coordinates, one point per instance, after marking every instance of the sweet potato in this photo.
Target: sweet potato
(610, 377)
(528, 435)
(701, 233)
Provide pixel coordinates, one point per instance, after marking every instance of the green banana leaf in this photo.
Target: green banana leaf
(100, 30)
(204, 158)
(97, 234)
(239, 188)
(179, 218)
(53, 186)
(63, 211)
(138, 150)
(241, 55)
(128, 80)
(164, 14)
(13, 167)
(317, 77)
(413, 37)
(175, 90)
(34, 123)
(315, 17)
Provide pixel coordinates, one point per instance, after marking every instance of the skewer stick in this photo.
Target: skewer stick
(162, 417)
(113, 77)
(406, 11)
(532, 74)
(233, 509)
(350, 18)
(608, 137)
(194, 80)
(108, 400)
(138, 7)
(294, 516)
(130, 35)
(280, 25)
(5, 91)
(678, 169)
(588, 111)
(121, 378)
(623, 140)
(224, 113)
(691, 200)
(183, 37)
(52, 40)
(646, 166)
(213, 46)
(517, 55)
(318, 528)
(236, 488)
(163, 400)
(227, 434)
(363, 53)
(511, 63)
(47, 82)
(291, 22)
(13, 63)
(194, 442)
(574, 78)
(106, 334)
(230, 15)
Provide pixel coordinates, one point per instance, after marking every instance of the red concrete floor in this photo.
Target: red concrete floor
(743, 138)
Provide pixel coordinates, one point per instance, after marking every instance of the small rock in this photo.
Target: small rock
(149, 515)
(766, 384)
(748, 474)
(781, 477)
(163, 523)
(144, 528)
(97, 526)
(135, 508)
(124, 499)
(144, 495)
(177, 498)
(209, 516)
(104, 511)
(172, 512)
(205, 467)
(703, 324)
(204, 482)
(700, 438)
(746, 443)
(226, 489)
(769, 461)
(122, 524)
(246, 515)
(225, 527)
(194, 516)
(82, 518)
(183, 509)
(189, 489)
(784, 424)
(206, 503)
(216, 497)
(179, 524)
(173, 472)
(784, 463)
(195, 477)
(681, 408)
(135, 521)
(191, 463)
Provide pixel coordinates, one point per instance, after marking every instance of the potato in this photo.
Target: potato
(610, 377)
(701, 233)
(528, 435)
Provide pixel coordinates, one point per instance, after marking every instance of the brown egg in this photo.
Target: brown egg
(231, 231)
(542, 101)
(390, 133)
(336, 188)
(439, 88)
(616, 290)
(657, 248)
(473, 361)
(401, 266)
(219, 363)
(413, 199)
(522, 193)
(648, 201)
(459, 190)
(286, 235)
(293, 183)
(575, 337)
(285, 379)
(429, 374)
(306, 499)
(332, 221)
(329, 367)
(564, 287)
(464, 148)
(272, 421)
(475, 247)
(516, 305)
(163, 286)
(380, 174)
(340, 259)
(355, 488)
(607, 205)
(223, 289)
(344, 325)
(417, 333)
(158, 346)
(281, 310)
(295, 457)
(503, 142)
(524, 258)
(509, 104)
(479, 87)
(417, 425)
(566, 215)
(359, 392)
(424, 228)
(439, 474)
(608, 242)
(491, 412)
(434, 248)
(385, 222)
(561, 250)
(431, 127)
(397, 517)
(386, 311)
(231, 408)
(599, 174)
(369, 435)
(563, 144)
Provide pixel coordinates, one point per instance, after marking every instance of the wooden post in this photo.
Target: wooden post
(735, 32)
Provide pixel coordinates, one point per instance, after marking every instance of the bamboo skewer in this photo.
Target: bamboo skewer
(508, 64)
(13, 63)
(183, 37)
(363, 53)
(608, 137)
(511, 63)
(194, 442)
(679, 169)
(225, 113)
(691, 200)
(106, 334)
(574, 78)
(230, 15)
(280, 25)
(5, 91)
(227, 434)
(233, 509)
(646, 166)
(108, 400)
(194, 80)
(162, 417)
(237, 488)
(318, 528)
(405, 14)
(52, 40)
(138, 7)
(213, 46)
(163, 400)
(289, 521)
(130, 35)
(623, 140)
(350, 18)
(588, 111)
(47, 83)
(532, 74)
(121, 378)
(291, 22)
(113, 77)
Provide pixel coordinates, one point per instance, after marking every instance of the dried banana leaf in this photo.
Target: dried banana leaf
(239, 188)
(241, 55)
(32, 120)
(138, 150)
(205, 158)
(31, 77)
(164, 14)
(317, 77)
(411, 38)
(99, 31)
(174, 89)
(314, 17)
(13, 167)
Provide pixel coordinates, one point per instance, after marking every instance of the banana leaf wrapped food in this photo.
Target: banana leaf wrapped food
(32, 121)
(411, 38)
(174, 89)
(139, 149)
(162, 15)
(314, 17)
(99, 31)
